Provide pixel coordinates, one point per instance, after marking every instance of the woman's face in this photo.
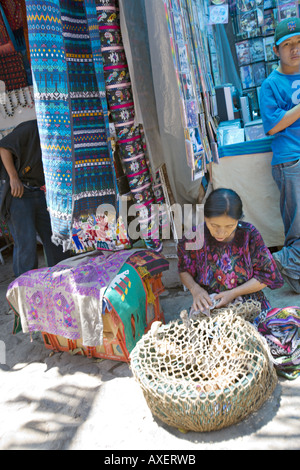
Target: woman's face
(222, 228)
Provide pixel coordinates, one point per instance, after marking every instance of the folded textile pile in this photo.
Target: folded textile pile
(69, 299)
(66, 299)
(281, 329)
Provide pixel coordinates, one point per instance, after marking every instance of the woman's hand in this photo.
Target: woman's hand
(224, 298)
(201, 299)
(228, 296)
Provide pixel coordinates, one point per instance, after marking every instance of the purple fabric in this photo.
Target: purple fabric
(66, 299)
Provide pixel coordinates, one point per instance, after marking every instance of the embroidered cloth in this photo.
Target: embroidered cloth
(128, 296)
(12, 71)
(71, 110)
(66, 299)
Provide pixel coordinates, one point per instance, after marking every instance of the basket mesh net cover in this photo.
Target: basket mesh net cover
(206, 373)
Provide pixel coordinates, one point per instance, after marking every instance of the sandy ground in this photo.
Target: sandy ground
(59, 401)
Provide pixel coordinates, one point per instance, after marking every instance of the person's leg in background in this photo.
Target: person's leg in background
(287, 177)
(53, 254)
(22, 227)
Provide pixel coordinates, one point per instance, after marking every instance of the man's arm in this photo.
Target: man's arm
(16, 186)
(289, 118)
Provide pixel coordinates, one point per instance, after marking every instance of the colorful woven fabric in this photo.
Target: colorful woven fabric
(67, 299)
(4, 38)
(72, 113)
(13, 13)
(151, 262)
(281, 329)
(130, 140)
(12, 71)
(128, 296)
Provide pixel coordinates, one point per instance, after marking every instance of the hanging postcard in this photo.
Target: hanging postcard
(258, 73)
(257, 52)
(268, 46)
(269, 25)
(246, 76)
(195, 139)
(187, 85)
(260, 11)
(287, 10)
(174, 5)
(191, 108)
(199, 170)
(269, 4)
(178, 32)
(246, 5)
(218, 14)
(247, 16)
(189, 149)
(243, 52)
(182, 56)
(271, 66)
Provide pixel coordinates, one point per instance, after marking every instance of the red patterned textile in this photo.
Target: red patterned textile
(13, 13)
(12, 71)
(3, 33)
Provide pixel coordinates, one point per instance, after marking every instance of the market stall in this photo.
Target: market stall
(81, 82)
(155, 101)
(210, 57)
(222, 51)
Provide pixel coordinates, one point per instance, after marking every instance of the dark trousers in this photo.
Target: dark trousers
(29, 216)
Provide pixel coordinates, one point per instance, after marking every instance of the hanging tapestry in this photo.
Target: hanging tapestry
(71, 108)
(13, 13)
(4, 38)
(130, 139)
(12, 71)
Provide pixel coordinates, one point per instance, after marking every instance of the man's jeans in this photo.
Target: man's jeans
(287, 177)
(28, 216)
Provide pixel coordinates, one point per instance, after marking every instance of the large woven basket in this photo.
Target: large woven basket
(204, 374)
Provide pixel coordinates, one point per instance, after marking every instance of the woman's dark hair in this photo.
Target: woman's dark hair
(223, 201)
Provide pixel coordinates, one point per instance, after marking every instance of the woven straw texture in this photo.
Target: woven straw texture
(204, 374)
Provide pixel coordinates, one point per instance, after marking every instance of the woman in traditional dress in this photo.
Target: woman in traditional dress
(233, 263)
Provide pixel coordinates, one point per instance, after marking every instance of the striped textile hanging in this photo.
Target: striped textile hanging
(130, 140)
(71, 108)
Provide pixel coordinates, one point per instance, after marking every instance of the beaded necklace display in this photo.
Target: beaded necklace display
(15, 98)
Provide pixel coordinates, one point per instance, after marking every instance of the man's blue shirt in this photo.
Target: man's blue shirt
(279, 93)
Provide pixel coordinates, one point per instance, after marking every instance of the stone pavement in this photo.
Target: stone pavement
(60, 401)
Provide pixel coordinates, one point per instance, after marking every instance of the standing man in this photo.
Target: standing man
(280, 111)
(23, 202)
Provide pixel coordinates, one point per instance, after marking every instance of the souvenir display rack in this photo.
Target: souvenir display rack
(198, 68)
(188, 38)
(254, 26)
